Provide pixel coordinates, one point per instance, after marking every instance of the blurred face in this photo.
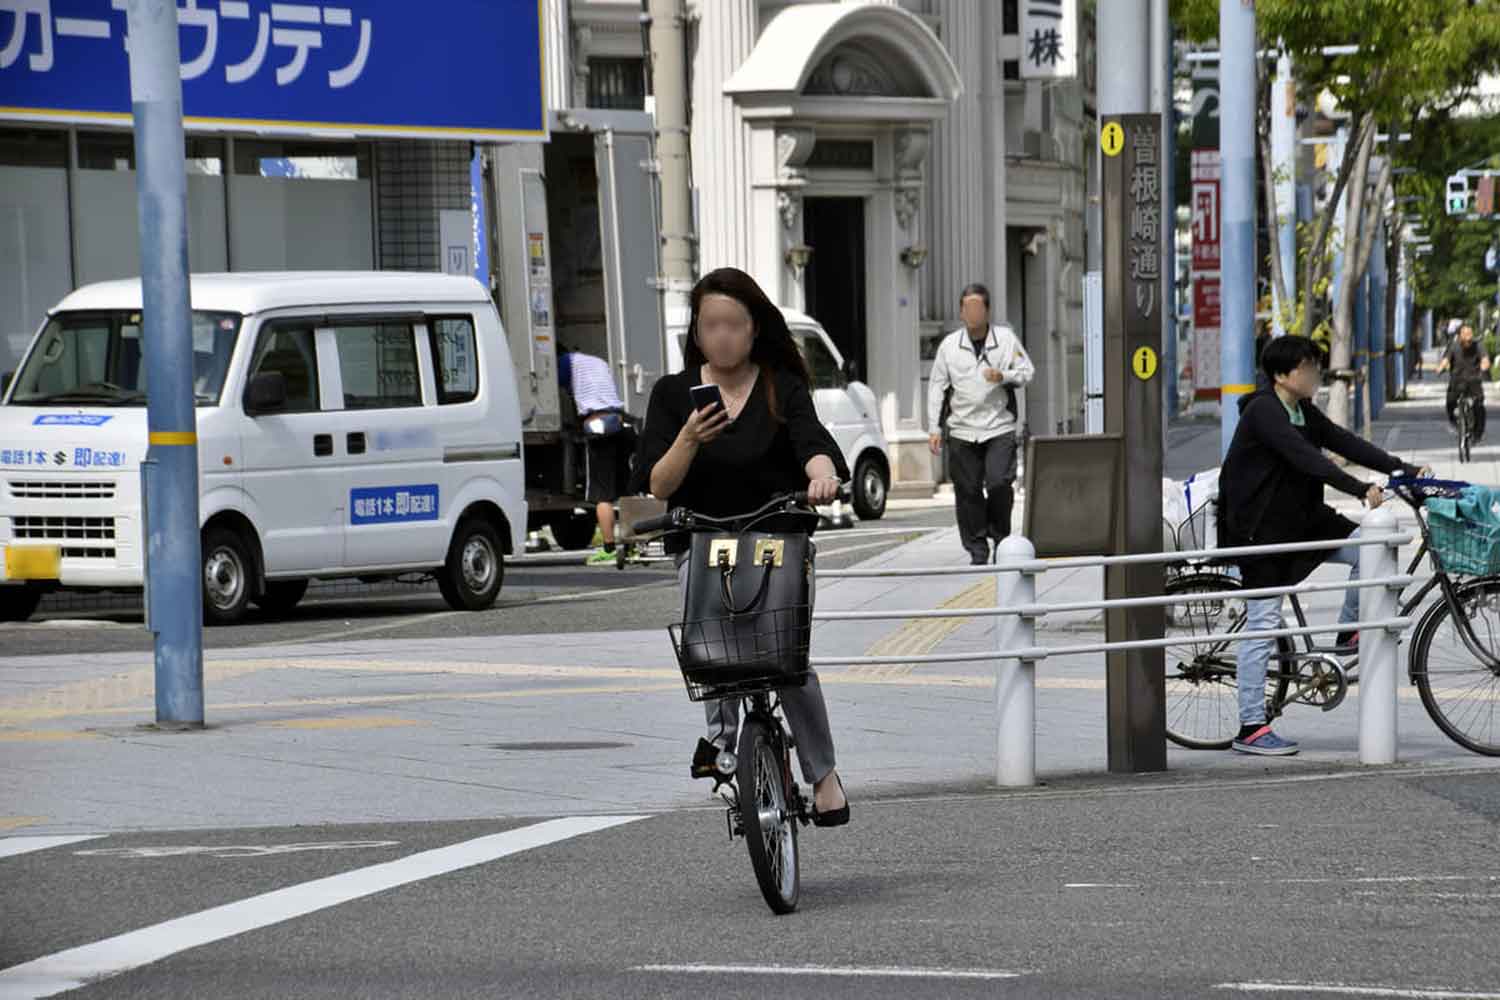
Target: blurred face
(975, 314)
(725, 331)
(1466, 335)
(1302, 381)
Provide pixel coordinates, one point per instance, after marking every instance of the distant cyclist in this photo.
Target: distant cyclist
(1469, 362)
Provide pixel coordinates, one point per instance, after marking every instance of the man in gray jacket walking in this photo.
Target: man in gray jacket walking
(982, 363)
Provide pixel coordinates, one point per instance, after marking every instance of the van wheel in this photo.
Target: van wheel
(470, 579)
(17, 603)
(281, 596)
(226, 577)
(870, 487)
(575, 531)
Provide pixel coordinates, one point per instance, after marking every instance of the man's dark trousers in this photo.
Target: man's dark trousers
(983, 492)
(1473, 388)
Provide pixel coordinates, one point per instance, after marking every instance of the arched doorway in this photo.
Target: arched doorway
(840, 100)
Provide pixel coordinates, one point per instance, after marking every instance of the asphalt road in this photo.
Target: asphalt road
(1341, 883)
(537, 596)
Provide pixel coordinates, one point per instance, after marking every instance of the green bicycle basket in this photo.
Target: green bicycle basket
(1466, 531)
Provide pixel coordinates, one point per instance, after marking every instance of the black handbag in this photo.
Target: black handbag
(747, 615)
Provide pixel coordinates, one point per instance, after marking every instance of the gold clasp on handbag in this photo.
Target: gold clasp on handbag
(774, 547)
(722, 552)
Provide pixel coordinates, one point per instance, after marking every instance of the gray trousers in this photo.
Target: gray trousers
(806, 711)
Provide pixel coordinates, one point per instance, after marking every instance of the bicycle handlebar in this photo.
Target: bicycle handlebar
(1414, 489)
(683, 519)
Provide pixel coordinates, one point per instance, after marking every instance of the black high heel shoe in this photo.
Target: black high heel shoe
(704, 757)
(834, 817)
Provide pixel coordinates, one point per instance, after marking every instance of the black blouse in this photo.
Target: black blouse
(754, 460)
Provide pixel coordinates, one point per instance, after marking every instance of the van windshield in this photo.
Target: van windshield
(96, 358)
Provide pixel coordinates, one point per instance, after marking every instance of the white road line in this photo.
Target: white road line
(1101, 885)
(11, 846)
(833, 970)
(1346, 989)
(68, 970)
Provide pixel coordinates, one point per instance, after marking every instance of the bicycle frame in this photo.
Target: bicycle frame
(1439, 578)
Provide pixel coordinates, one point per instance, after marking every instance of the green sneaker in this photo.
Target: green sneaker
(600, 558)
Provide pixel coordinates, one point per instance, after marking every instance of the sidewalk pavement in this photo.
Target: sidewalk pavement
(559, 724)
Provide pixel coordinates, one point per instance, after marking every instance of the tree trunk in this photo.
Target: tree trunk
(1279, 301)
(1341, 345)
(1315, 267)
(1368, 227)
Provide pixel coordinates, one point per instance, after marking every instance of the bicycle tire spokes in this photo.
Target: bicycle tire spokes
(1459, 690)
(1202, 691)
(770, 828)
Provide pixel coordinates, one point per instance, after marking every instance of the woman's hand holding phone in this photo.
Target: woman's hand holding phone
(708, 417)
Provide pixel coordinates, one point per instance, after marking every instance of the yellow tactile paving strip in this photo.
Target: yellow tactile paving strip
(923, 635)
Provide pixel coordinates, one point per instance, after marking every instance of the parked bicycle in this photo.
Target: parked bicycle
(1453, 659)
(750, 654)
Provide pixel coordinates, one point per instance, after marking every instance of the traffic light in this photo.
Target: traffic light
(1458, 195)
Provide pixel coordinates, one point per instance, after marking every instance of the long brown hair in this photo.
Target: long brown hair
(773, 349)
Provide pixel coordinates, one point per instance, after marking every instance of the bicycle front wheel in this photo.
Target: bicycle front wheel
(1203, 707)
(1465, 428)
(1460, 693)
(765, 813)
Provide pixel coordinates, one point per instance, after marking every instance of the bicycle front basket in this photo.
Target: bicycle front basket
(1463, 545)
(741, 654)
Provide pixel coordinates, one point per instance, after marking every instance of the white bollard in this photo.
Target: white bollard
(1015, 678)
(1378, 667)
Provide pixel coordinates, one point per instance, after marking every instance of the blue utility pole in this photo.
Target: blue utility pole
(1237, 151)
(174, 592)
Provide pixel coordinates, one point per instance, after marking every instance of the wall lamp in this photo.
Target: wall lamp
(914, 256)
(797, 257)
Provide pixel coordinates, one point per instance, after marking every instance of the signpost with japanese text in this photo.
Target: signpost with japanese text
(1207, 216)
(466, 69)
(1133, 234)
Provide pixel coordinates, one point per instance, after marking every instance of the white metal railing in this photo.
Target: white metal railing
(1017, 652)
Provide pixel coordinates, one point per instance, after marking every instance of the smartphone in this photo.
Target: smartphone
(706, 395)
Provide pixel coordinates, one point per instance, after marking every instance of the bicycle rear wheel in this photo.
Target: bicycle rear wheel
(1203, 710)
(765, 813)
(1460, 693)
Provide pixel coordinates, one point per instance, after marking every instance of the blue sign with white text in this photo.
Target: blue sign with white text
(392, 504)
(71, 420)
(462, 69)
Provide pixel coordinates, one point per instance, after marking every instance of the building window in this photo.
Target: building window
(1010, 17)
(33, 148)
(116, 151)
(617, 83)
(323, 161)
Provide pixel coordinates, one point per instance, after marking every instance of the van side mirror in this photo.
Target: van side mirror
(266, 393)
(5, 381)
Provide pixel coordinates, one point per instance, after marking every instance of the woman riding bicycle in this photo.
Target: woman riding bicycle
(764, 441)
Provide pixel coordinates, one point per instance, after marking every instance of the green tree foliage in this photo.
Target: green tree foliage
(1451, 280)
(1417, 61)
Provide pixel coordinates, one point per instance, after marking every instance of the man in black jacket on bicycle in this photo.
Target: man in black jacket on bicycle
(1470, 362)
(1271, 491)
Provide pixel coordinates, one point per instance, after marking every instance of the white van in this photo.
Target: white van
(846, 406)
(349, 425)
